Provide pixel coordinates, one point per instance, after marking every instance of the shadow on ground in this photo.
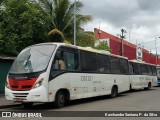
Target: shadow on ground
(49, 106)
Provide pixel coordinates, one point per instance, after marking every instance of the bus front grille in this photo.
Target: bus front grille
(27, 87)
(20, 95)
(14, 86)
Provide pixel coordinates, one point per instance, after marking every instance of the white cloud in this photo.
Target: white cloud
(114, 15)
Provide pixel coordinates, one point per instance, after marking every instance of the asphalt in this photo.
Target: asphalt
(7, 104)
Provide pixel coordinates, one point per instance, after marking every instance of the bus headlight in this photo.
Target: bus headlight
(7, 85)
(38, 84)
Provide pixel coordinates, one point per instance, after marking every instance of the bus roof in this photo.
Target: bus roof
(137, 61)
(90, 49)
(141, 62)
(158, 66)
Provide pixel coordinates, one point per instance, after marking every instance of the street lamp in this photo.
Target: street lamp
(122, 36)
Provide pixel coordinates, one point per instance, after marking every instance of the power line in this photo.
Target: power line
(144, 35)
(147, 42)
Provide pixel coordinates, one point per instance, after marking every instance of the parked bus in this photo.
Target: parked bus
(143, 75)
(57, 72)
(158, 74)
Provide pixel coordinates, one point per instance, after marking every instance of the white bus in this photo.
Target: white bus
(38, 74)
(143, 75)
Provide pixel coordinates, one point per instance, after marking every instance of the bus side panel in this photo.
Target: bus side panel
(154, 80)
(138, 81)
(141, 81)
(83, 85)
(122, 81)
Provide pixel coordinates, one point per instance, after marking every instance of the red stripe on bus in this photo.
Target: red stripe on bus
(22, 84)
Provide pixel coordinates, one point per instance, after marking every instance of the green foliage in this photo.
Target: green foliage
(55, 36)
(85, 39)
(103, 45)
(61, 13)
(27, 22)
(22, 24)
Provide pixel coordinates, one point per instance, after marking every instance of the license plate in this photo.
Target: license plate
(18, 99)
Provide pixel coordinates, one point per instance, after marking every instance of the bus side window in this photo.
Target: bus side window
(149, 70)
(154, 70)
(136, 69)
(124, 66)
(55, 68)
(115, 65)
(71, 60)
(130, 69)
(103, 64)
(144, 69)
(88, 61)
(66, 61)
(58, 62)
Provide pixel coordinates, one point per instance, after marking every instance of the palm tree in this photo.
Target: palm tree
(55, 35)
(61, 14)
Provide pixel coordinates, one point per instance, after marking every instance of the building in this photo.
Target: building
(131, 51)
(5, 64)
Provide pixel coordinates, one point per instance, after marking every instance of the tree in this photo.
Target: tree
(103, 45)
(28, 22)
(61, 13)
(85, 39)
(22, 23)
(55, 36)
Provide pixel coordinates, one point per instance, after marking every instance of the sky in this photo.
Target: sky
(140, 18)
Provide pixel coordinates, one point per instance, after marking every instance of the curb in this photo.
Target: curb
(2, 95)
(9, 106)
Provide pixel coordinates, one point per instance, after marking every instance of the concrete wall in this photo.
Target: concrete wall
(5, 65)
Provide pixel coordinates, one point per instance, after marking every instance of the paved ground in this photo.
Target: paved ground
(130, 101)
(6, 104)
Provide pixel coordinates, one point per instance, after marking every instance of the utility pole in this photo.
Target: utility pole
(75, 22)
(122, 36)
(156, 48)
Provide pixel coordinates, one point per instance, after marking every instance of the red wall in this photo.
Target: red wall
(129, 48)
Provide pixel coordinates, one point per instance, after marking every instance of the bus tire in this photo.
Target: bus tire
(149, 86)
(114, 92)
(27, 104)
(60, 100)
(130, 89)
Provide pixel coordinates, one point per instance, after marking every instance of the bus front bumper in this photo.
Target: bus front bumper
(34, 95)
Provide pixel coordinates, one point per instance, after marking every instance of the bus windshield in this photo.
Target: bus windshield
(32, 59)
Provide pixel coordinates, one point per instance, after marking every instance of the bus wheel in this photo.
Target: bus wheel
(114, 92)
(130, 89)
(148, 87)
(60, 100)
(27, 104)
